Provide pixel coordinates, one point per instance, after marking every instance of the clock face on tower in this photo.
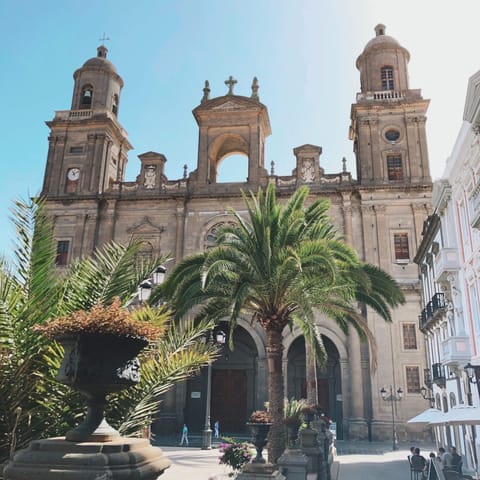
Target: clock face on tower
(73, 174)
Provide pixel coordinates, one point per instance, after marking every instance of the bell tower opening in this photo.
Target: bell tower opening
(233, 168)
(231, 126)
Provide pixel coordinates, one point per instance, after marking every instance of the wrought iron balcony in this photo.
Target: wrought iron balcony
(430, 312)
(438, 374)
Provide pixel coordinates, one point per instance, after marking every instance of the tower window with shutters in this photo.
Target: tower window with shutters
(394, 168)
(387, 78)
(400, 241)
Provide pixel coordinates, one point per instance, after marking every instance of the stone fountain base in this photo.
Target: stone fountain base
(57, 459)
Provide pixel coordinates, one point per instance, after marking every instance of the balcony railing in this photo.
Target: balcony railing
(430, 312)
(438, 374)
(388, 95)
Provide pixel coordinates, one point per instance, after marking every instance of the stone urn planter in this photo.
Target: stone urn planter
(100, 357)
(259, 439)
(96, 365)
(293, 426)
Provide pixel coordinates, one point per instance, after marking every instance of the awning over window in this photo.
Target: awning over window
(430, 416)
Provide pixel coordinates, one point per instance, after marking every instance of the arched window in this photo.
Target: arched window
(453, 400)
(387, 78)
(438, 401)
(445, 403)
(115, 104)
(86, 97)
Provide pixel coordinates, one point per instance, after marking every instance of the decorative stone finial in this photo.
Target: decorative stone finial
(206, 92)
(185, 166)
(272, 168)
(230, 82)
(344, 162)
(255, 88)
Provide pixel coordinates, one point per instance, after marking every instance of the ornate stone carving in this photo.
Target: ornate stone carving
(150, 176)
(307, 171)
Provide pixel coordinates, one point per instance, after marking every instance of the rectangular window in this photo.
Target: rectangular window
(76, 149)
(62, 252)
(400, 241)
(394, 168)
(387, 78)
(409, 336)
(412, 375)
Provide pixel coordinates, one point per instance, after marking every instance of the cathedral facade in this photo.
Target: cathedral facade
(380, 210)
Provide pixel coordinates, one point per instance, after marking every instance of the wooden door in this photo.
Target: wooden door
(323, 395)
(229, 400)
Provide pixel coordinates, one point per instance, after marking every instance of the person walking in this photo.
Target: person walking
(216, 429)
(184, 435)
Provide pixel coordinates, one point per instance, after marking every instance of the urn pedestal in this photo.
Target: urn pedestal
(58, 459)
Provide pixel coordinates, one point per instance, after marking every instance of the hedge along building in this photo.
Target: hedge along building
(381, 213)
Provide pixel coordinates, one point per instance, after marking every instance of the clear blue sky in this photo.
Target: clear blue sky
(302, 51)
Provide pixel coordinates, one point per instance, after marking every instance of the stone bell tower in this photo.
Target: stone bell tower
(231, 124)
(87, 145)
(388, 118)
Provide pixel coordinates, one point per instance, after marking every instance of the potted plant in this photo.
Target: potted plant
(100, 357)
(235, 454)
(293, 419)
(259, 423)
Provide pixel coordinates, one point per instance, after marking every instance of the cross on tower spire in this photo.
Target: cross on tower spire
(103, 39)
(230, 82)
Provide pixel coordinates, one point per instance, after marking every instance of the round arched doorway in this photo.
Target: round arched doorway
(233, 387)
(329, 385)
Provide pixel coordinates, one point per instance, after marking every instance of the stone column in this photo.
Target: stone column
(180, 231)
(357, 424)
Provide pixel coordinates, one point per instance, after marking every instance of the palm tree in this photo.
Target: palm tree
(279, 266)
(33, 404)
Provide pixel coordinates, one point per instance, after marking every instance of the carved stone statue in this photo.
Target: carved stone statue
(150, 176)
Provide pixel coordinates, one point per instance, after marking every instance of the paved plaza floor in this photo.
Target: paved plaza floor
(355, 460)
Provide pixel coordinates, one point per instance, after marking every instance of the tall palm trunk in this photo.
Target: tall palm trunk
(276, 444)
(311, 374)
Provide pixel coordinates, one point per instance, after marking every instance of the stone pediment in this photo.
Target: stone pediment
(230, 102)
(229, 106)
(146, 226)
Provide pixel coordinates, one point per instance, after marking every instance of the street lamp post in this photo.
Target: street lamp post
(218, 337)
(392, 397)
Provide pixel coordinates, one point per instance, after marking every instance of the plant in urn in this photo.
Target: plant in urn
(101, 347)
(259, 423)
